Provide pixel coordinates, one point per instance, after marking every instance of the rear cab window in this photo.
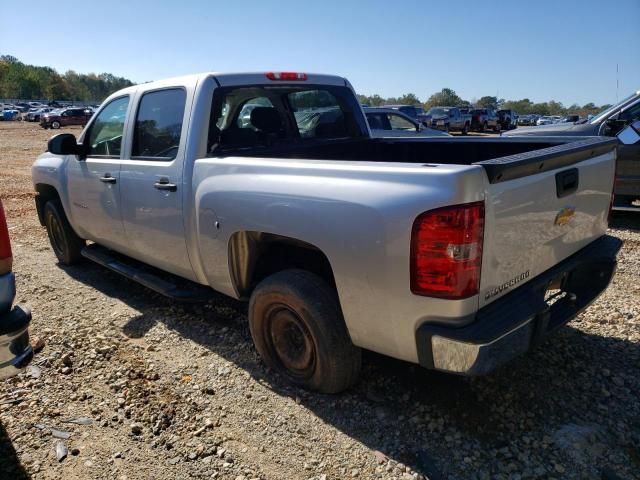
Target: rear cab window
(264, 116)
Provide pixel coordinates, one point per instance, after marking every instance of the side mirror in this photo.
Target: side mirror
(613, 126)
(630, 135)
(64, 144)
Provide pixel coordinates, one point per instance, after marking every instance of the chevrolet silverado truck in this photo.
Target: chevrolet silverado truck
(619, 121)
(455, 253)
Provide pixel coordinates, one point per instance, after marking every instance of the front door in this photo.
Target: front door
(93, 183)
(152, 182)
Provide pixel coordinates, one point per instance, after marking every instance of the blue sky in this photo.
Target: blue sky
(564, 50)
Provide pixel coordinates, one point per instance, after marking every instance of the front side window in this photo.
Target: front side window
(105, 134)
(400, 123)
(158, 127)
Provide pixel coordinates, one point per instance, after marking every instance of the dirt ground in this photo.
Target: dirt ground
(159, 390)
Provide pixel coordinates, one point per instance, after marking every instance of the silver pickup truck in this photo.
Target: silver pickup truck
(457, 254)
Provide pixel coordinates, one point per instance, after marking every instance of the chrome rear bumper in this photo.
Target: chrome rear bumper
(520, 320)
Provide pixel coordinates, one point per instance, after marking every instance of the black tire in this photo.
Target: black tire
(64, 241)
(498, 127)
(446, 128)
(55, 124)
(484, 127)
(298, 329)
(465, 129)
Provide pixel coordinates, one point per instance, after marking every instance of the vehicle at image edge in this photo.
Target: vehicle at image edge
(65, 117)
(436, 251)
(15, 349)
(483, 119)
(609, 123)
(37, 113)
(448, 119)
(508, 119)
(385, 122)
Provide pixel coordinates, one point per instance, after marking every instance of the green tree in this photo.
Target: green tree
(444, 98)
(409, 99)
(487, 102)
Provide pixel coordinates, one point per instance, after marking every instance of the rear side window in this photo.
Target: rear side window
(105, 134)
(158, 127)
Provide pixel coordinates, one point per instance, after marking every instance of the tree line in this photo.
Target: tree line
(30, 82)
(449, 98)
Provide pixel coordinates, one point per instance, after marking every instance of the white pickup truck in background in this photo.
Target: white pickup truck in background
(455, 253)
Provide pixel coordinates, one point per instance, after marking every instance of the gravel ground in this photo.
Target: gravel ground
(130, 385)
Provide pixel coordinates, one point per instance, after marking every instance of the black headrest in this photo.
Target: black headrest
(266, 119)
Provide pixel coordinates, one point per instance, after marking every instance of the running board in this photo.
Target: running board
(164, 283)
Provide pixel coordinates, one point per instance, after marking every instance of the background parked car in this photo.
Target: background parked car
(386, 122)
(483, 119)
(449, 119)
(35, 113)
(546, 120)
(410, 110)
(570, 119)
(65, 117)
(508, 119)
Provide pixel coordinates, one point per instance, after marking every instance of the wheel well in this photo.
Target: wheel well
(253, 256)
(44, 194)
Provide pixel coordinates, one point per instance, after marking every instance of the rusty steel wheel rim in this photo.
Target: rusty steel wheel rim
(290, 341)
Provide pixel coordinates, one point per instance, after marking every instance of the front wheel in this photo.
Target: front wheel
(64, 241)
(55, 124)
(298, 329)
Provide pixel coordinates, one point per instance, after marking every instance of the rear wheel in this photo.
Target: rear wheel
(465, 129)
(64, 241)
(298, 329)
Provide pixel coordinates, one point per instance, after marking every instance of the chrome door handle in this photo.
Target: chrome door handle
(165, 185)
(108, 178)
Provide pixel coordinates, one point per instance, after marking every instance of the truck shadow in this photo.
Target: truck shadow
(416, 417)
(10, 466)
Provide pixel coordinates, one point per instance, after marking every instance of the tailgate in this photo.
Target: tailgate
(541, 207)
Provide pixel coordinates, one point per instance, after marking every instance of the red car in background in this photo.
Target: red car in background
(65, 117)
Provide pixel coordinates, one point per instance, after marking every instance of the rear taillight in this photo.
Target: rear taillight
(446, 251)
(6, 259)
(286, 76)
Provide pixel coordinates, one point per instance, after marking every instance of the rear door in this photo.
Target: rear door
(535, 221)
(152, 182)
(93, 183)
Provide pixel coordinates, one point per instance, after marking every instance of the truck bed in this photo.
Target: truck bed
(503, 159)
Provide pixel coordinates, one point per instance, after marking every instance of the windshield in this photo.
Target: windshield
(602, 116)
(438, 111)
